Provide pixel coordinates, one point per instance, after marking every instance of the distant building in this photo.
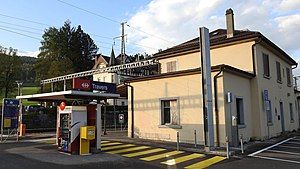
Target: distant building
(246, 66)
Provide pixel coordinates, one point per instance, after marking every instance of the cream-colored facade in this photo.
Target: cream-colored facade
(245, 58)
(253, 95)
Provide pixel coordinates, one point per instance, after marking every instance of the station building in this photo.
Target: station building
(247, 67)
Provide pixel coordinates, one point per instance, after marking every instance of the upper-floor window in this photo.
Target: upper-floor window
(288, 76)
(278, 70)
(171, 66)
(266, 65)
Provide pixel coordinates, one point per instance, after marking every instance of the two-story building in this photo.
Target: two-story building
(246, 66)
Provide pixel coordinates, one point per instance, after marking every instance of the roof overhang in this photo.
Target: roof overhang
(69, 95)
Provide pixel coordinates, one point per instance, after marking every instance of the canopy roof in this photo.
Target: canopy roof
(69, 95)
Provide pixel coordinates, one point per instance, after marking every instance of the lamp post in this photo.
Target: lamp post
(19, 83)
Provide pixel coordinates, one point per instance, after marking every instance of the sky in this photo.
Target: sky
(151, 24)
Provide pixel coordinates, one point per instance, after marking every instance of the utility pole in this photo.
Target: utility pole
(123, 43)
(204, 44)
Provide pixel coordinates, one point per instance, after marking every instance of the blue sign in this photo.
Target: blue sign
(266, 95)
(10, 113)
(106, 87)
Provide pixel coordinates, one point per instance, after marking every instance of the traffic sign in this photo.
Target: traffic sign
(121, 118)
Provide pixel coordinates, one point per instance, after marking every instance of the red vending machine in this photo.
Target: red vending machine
(69, 121)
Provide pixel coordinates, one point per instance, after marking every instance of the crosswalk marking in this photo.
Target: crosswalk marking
(206, 163)
(159, 156)
(144, 152)
(127, 150)
(182, 159)
(116, 147)
(104, 141)
(110, 144)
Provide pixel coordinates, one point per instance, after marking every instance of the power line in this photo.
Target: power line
(21, 19)
(20, 30)
(150, 34)
(20, 34)
(101, 16)
(113, 20)
(21, 26)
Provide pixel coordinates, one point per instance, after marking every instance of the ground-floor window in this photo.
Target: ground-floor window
(169, 112)
(240, 111)
(291, 112)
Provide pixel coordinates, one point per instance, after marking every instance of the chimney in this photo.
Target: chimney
(229, 23)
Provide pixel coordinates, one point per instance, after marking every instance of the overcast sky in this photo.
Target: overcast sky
(153, 25)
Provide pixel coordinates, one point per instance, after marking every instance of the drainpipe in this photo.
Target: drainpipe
(216, 105)
(253, 55)
(132, 109)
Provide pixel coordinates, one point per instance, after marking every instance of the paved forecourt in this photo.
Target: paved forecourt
(161, 156)
(286, 151)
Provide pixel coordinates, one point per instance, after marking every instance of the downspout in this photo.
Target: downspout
(216, 105)
(132, 109)
(253, 55)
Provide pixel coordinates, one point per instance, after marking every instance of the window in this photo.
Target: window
(278, 68)
(240, 111)
(288, 76)
(169, 112)
(112, 78)
(266, 65)
(171, 66)
(291, 112)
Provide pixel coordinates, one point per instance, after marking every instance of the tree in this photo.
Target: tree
(10, 69)
(65, 50)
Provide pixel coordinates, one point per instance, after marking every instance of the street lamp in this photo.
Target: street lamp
(19, 83)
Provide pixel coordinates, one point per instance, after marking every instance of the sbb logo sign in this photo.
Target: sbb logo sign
(85, 85)
(82, 84)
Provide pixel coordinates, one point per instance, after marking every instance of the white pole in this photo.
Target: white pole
(227, 147)
(177, 141)
(2, 120)
(98, 127)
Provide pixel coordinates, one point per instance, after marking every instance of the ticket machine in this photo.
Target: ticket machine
(69, 121)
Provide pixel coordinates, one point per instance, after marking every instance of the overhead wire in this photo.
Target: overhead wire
(113, 20)
(20, 33)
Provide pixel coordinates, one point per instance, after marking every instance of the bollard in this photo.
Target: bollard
(242, 144)
(195, 134)
(177, 141)
(227, 147)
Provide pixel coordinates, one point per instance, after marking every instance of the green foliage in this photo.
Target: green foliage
(10, 69)
(65, 50)
(28, 71)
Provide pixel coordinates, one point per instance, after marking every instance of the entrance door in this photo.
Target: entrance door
(282, 116)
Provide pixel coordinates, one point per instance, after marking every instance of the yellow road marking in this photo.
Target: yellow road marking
(110, 144)
(144, 152)
(206, 163)
(127, 150)
(159, 156)
(182, 159)
(104, 141)
(116, 147)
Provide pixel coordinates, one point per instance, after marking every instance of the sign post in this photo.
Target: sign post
(10, 115)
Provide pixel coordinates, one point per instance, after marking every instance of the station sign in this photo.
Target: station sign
(102, 86)
(89, 85)
(10, 113)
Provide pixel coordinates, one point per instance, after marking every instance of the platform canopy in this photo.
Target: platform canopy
(69, 95)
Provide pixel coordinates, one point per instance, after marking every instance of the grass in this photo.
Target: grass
(25, 91)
